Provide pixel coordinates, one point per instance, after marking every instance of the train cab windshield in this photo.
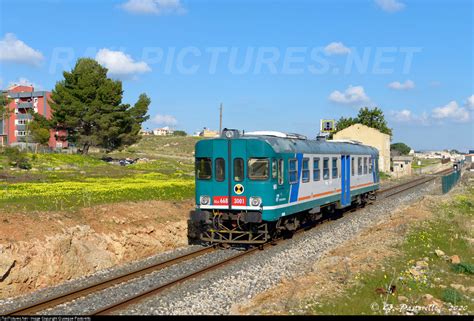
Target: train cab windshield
(258, 168)
(203, 168)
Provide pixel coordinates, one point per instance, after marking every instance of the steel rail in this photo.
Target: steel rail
(89, 289)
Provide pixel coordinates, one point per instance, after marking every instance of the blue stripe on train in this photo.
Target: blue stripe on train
(295, 187)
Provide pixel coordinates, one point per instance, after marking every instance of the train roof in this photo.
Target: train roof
(310, 146)
(294, 143)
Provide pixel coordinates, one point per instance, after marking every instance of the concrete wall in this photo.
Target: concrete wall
(372, 137)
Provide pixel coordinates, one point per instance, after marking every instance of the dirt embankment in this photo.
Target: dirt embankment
(335, 272)
(41, 249)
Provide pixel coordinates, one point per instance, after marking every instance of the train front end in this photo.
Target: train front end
(232, 185)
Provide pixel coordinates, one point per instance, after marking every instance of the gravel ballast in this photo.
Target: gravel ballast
(217, 292)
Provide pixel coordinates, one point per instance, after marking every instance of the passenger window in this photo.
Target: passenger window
(274, 168)
(334, 167)
(258, 168)
(316, 170)
(370, 165)
(359, 166)
(281, 168)
(365, 165)
(305, 170)
(352, 166)
(326, 168)
(238, 169)
(220, 169)
(203, 168)
(293, 171)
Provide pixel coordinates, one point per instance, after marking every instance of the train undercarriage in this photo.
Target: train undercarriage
(237, 227)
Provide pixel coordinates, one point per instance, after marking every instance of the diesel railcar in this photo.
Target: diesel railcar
(252, 187)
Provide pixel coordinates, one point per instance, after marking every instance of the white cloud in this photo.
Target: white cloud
(352, 95)
(409, 84)
(14, 50)
(120, 64)
(407, 116)
(451, 111)
(390, 5)
(164, 120)
(336, 48)
(22, 81)
(403, 115)
(470, 102)
(156, 7)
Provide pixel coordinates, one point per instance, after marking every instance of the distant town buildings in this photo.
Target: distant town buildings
(371, 137)
(165, 131)
(439, 155)
(14, 128)
(209, 133)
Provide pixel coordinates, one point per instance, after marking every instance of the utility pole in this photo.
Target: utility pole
(220, 120)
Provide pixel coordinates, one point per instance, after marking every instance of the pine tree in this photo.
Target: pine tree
(89, 106)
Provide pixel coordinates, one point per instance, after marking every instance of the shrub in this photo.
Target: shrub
(17, 158)
(452, 296)
(466, 268)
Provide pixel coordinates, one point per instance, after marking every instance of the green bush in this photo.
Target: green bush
(466, 268)
(452, 296)
(17, 158)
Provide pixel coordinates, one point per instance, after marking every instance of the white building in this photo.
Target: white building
(165, 131)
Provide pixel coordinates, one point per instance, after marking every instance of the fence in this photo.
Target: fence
(450, 180)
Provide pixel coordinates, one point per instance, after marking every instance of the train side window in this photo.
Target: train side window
(359, 166)
(293, 171)
(352, 166)
(281, 167)
(334, 167)
(258, 168)
(365, 165)
(203, 168)
(316, 170)
(220, 169)
(274, 168)
(371, 169)
(305, 170)
(238, 169)
(326, 168)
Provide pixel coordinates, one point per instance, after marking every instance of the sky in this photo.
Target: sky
(274, 65)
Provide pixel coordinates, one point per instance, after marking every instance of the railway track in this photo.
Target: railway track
(110, 309)
(86, 290)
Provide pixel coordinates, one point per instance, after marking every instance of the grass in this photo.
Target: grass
(68, 182)
(69, 195)
(448, 231)
(160, 146)
(424, 162)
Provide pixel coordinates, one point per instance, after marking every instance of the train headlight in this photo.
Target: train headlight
(255, 201)
(204, 200)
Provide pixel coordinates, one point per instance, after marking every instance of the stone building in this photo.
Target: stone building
(371, 137)
(401, 166)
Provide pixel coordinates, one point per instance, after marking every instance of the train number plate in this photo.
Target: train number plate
(224, 200)
(239, 200)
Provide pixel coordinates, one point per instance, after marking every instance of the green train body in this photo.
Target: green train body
(251, 187)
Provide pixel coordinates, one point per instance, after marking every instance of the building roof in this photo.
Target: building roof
(402, 158)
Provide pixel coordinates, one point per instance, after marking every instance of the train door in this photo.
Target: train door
(220, 179)
(345, 180)
(238, 173)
